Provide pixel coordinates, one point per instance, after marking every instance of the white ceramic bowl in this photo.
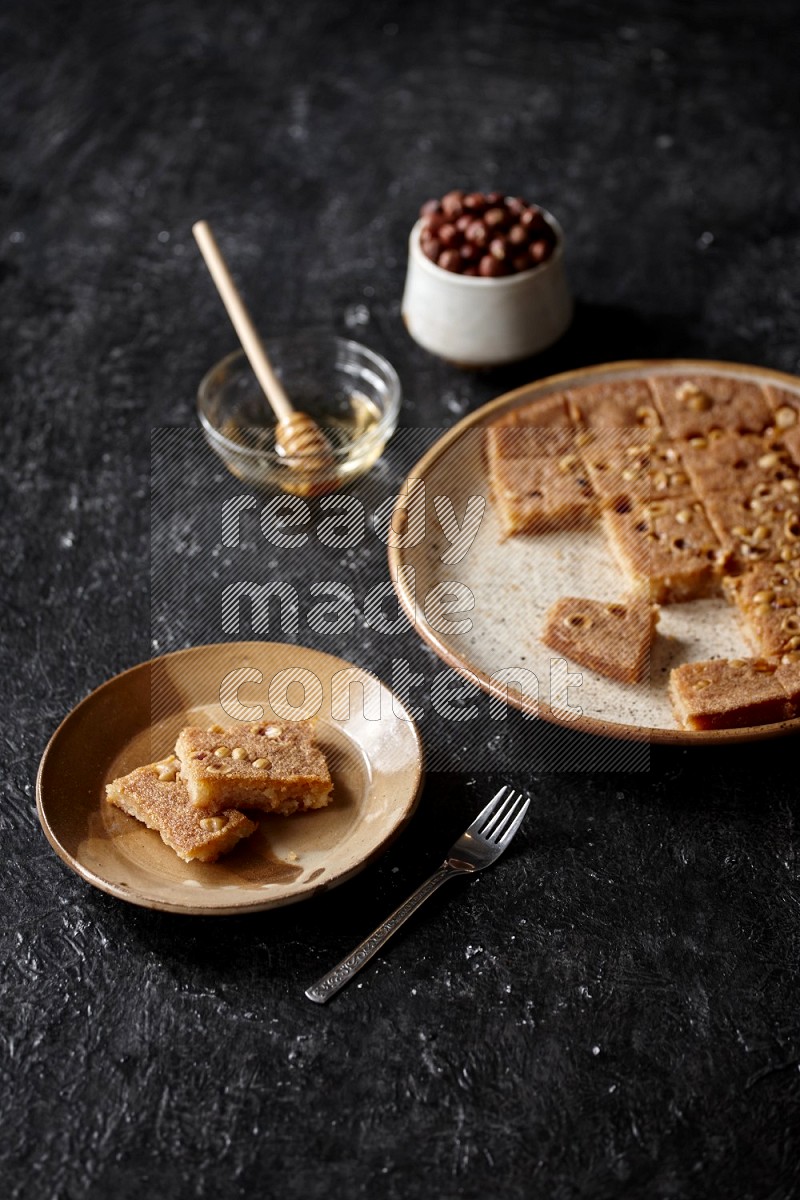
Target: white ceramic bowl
(477, 322)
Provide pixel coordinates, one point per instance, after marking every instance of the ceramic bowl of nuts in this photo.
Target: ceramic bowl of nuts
(486, 283)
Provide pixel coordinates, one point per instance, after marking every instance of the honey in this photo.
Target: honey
(351, 434)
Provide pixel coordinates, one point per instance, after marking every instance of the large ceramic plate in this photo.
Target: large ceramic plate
(513, 583)
(372, 748)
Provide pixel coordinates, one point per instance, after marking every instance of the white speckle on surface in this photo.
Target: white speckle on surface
(454, 403)
(16, 237)
(665, 141)
(356, 315)
(595, 1050)
(471, 951)
(164, 236)
(67, 540)
(705, 240)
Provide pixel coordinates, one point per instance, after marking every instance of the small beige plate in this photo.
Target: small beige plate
(370, 741)
(513, 583)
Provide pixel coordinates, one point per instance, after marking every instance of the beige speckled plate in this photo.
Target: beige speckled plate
(374, 754)
(513, 583)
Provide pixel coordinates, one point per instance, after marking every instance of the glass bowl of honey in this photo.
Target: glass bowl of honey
(352, 393)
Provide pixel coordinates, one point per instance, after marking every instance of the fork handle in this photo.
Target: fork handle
(330, 984)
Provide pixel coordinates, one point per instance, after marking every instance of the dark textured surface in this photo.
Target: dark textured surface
(613, 1010)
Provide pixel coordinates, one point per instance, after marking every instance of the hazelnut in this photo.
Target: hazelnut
(495, 218)
(448, 234)
(477, 233)
(517, 235)
(452, 204)
(475, 202)
(449, 260)
(489, 266)
(539, 250)
(431, 248)
(213, 824)
(498, 248)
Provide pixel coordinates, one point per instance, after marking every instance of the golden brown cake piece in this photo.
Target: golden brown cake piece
(629, 463)
(768, 599)
(694, 405)
(274, 766)
(157, 796)
(739, 463)
(668, 544)
(627, 403)
(728, 694)
(549, 410)
(763, 526)
(537, 478)
(612, 639)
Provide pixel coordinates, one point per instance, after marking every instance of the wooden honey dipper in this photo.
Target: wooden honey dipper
(297, 436)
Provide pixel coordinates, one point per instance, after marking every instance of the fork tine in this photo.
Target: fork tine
(500, 826)
(486, 813)
(497, 818)
(509, 832)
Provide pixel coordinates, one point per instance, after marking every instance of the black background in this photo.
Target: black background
(613, 1009)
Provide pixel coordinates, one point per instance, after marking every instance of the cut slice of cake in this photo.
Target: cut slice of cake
(613, 639)
(274, 766)
(767, 596)
(695, 405)
(538, 479)
(667, 545)
(762, 526)
(549, 410)
(156, 795)
(625, 403)
(729, 693)
(629, 463)
(739, 463)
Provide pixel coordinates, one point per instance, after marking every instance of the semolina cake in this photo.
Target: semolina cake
(768, 599)
(537, 478)
(157, 796)
(739, 463)
(729, 693)
(626, 403)
(668, 545)
(626, 463)
(761, 527)
(613, 639)
(274, 766)
(694, 405)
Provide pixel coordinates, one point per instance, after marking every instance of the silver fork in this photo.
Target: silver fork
(479, 846)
